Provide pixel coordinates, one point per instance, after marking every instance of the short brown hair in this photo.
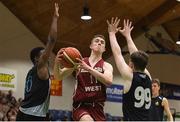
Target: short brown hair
(140, 60)
(99, 35)
(156, 81)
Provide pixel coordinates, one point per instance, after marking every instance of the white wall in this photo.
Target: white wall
(166, 67)
(174, 104)
(64, 102)
(16, 41)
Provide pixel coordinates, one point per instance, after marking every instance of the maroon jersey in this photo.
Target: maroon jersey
(88, 88)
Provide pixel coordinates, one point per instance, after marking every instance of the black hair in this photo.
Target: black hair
(35, 53)
(140, 60)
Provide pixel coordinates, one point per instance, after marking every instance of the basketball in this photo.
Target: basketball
(69, 57)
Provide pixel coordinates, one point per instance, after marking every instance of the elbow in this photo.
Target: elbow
(52, 38)
(116, 51)
(108, 82)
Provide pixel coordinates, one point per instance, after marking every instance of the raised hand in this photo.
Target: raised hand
(113, 26)
(56, 12)
(59, 55)
(126, 31)
(82, 65)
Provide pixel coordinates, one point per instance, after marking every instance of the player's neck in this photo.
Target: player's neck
(94, 57)
(155, 95)
(138, 71)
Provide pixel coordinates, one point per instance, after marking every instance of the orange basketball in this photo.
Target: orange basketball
(69, 55)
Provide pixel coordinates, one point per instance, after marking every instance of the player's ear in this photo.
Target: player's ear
(90, 46)
(131, 65)
(36, 58)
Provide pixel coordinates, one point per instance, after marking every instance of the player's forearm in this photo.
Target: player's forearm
(52, 37)
(61, 73)
(114, 45)
(57, 72)
(165, 104)
(169, 117)
(106, 80)
(131, 46)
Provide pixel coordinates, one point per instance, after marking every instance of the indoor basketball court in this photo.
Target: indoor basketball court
(77, 59)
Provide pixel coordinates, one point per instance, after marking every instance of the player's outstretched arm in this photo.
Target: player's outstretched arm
(42, 67)
(123, 68)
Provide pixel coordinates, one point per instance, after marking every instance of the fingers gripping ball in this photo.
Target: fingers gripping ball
(69, 57)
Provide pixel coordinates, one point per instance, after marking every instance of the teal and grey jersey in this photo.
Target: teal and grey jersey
(40, 110)
(37, 94)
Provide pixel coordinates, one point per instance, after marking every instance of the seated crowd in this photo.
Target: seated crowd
(8, 106)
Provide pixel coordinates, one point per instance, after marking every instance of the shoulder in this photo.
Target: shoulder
(148, 74)
(33, 69)
(164, 101)
(164, 98)
(108, 65)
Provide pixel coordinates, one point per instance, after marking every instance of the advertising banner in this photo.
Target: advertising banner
(56, 87)
(8, 79)
(114, 93)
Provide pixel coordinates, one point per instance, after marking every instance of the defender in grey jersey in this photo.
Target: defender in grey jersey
(137, 80)
(35, 104)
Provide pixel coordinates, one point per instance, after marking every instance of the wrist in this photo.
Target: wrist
(89, 69)
(55, 17)
(128, 37)
(111, 33)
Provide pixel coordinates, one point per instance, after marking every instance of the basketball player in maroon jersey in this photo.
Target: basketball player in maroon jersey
(93, 77)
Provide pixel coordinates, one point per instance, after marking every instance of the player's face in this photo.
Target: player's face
(155, 89)
(38, 57)
(41, 52)
(98, 44)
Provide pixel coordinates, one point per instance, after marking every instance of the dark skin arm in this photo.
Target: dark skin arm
(42, 66)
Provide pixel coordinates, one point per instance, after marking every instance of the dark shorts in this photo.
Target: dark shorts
(25, 117)
(95, 110)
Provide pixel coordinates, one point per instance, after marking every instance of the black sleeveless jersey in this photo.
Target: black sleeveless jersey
(36, 90)
(157, 110)
(137, 101)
